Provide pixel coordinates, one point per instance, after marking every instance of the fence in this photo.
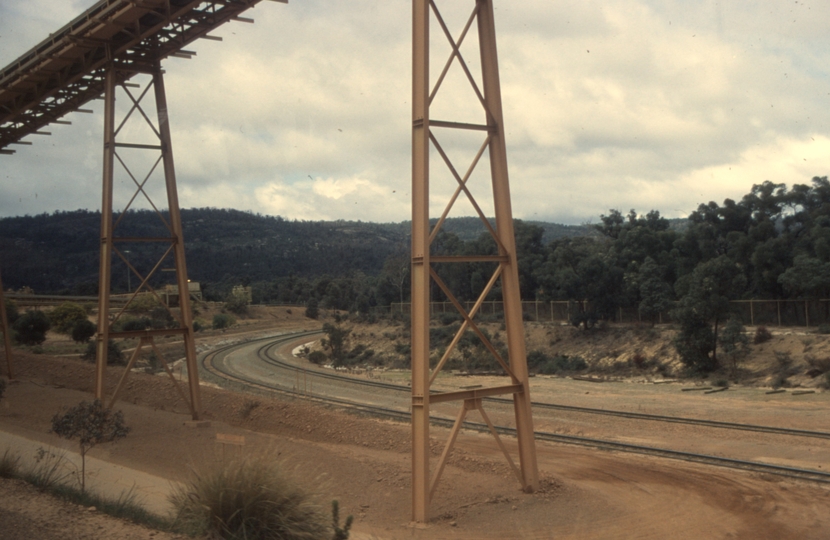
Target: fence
(752, 312)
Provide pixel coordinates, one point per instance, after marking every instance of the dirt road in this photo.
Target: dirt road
(364, 463)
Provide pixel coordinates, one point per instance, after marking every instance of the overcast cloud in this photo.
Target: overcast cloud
(623, 104)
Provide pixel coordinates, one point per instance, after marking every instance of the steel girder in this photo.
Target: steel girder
(68, 69)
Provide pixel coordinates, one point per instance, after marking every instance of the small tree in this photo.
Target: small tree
(83, 331)
(115, 357)
(65, 316)
(734, 345)
(91, 424)
(311, 310)
(335, 342)
(31, 328)
(656, 295)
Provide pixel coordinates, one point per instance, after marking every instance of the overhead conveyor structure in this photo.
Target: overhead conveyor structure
(95, 57)
(64, 72)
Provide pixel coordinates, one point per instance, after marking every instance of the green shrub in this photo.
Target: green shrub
(536, 358)
(31, 327)
(448, 318)
(318, 357)
(160, 317)
(11, 310)
(824, 329)
(83, 331)
(563, 364)
(248, 498)
(223, 320)
(236, 303)
(132, 324)
(9, 464)
(144, 303)
(114, 355)
(64, 317)
(199, 325)
(762, 334)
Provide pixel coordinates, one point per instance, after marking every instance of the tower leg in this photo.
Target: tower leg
(420, 262)
(504, 227)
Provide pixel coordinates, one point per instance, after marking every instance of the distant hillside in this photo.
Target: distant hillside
(58, 253)
(469, 228)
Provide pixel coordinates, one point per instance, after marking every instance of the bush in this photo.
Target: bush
(144, 303)
(83, 331)
(31, 328)
(561, 363)
(448, 318)
(236, 303)
(223, 320)
(132, 324)
(64, 317)
(9, 464)
(317, 357)
(824, 329)
(248, 498)
(114, 355)
(11, 310)
(160, 317)
(199, 325)
(762, 334)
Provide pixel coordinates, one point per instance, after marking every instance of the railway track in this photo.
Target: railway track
(211, 362)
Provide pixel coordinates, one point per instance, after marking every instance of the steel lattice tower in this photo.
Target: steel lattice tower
(426, 135)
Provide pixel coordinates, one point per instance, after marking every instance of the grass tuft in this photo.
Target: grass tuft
(50, 473)
(249, 497)
(9, 464)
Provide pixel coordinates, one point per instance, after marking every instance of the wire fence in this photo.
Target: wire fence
(752, 312)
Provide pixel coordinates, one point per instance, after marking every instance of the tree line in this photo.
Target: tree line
(774, 243)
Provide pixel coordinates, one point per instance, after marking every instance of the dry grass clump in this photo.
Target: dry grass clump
(249, 498)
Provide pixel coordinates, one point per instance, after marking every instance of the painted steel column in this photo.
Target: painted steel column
(7, 340)
(420, 260)
(504, 228)
(178, 248)
(105, 269)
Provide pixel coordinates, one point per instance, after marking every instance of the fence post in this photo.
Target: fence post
(778, 304)
(806, 314)
(751, 312)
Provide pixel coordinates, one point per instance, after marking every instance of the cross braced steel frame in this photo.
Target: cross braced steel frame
(173, 243)
(424, 137)
(104, 47)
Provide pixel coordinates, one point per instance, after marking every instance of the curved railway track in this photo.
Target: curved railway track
(211, 362)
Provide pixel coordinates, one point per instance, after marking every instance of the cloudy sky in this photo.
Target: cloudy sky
(645, 104)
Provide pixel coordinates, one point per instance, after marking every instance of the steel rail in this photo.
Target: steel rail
(271, 359)
(208, 363)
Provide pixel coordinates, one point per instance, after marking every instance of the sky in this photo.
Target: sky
(608, 104)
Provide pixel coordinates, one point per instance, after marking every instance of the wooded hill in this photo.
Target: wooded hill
(58, 253)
